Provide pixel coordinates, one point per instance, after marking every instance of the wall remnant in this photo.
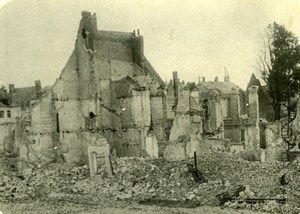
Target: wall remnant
(212, 110)
(99, 154)
(107, 87)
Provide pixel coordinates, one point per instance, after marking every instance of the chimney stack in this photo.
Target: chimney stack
(175, 82)
(226, 77)
(38, 85)
(11, 88)
(216, 79)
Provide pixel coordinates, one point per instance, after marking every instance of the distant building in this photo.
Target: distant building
(221, 109)
(12, 103)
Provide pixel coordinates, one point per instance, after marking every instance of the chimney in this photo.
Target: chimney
(138, 32)
(203, 79)
(175, 76)
(94, 23)
(216, 79)
(226, 77)
(134, 33)
(38, 85)
(11, 88)
(175, 82)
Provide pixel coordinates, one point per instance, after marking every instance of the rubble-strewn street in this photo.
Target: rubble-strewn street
(112, 133)
(138, 180)
(125, 208)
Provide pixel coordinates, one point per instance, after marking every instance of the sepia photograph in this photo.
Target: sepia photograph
(149, 106)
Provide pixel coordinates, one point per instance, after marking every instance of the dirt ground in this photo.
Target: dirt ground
(119, 207)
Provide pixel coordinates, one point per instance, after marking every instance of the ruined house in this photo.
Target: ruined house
(277, 138)
(12, 103)
(107, 89)
(214, 110)
(108, 92)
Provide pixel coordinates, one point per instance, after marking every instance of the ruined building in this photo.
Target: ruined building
(12, 103)
(214, 110)
(109, 94)
(107, 89)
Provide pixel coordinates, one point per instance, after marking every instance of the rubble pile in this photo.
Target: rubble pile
(143, 179)
(146, 178)
(263, 179)
(43, 181)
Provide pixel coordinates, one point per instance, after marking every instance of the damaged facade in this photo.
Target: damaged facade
(13, 104)
(109, 92)
(214, 110)
(278, 139)
(108, 89)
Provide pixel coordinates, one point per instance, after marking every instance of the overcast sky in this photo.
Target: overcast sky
(194, 37)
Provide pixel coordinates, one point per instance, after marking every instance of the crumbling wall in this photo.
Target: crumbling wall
(140, 107)
(120, 69)
(158, 116)
(170, 101)
(69, 115)
(181, 126)
(5, 130)
(71, 147)
(104, 110)
(276, 147)
(182, 150)
(233, 132)
(126, 113)
(131, 142)
(102, 68)
(66, 86)
(85, 99)
(253, 142)
(157, 110)
(35, 134)
(39, 147)
(186, 121)
(215, 115)
(42, 116)
(135, 110)
(234, 105)
(84, 67)
(152, 146)
(112, 46)
(296, 122)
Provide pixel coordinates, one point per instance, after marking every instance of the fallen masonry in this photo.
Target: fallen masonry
(162, 182)
(111, 128)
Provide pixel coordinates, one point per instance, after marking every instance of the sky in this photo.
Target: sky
(194, 37)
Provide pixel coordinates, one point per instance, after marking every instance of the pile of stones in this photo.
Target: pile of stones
(143, 178)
